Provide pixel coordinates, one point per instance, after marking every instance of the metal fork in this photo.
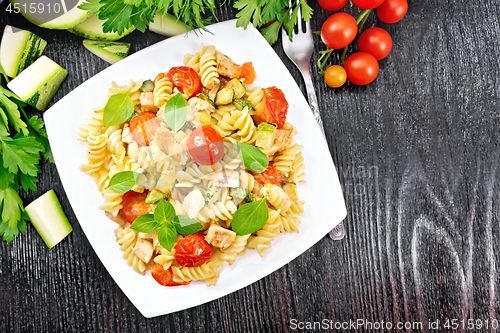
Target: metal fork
(299, 51)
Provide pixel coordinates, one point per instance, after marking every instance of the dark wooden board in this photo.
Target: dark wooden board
(417, 153)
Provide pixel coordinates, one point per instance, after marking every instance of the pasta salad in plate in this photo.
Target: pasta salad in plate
(195, 166)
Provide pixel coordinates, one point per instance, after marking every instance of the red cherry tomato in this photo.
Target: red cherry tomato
(269, 176)
(391, 11)
(143, 127)
(367, 4)
(165, 277)
(339, 30)
(193, 251)
(186, 79)
(375, 41)
(332, 5)
(362, 68)
(205, 145)
(134, 205)
(273, 108)
(335, 76)
(248, 73)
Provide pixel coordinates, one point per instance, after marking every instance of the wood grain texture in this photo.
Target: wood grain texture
(417, 153)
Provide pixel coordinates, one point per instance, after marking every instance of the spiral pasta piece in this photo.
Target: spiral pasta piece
(298, 170)
(127, 238)
(283, 161)
(114, 143)
(277, 197)
(229, 255)
(255, 96)
(289, 223)
(262, 242)
(186, 274)
(94, 123)
(219, 210)
(192, 61)
(208, 67)
(244, 122)
(96, 152)
(162, 91)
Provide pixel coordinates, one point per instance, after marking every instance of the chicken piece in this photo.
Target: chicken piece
(118, 219)
(178, 153)
(149, 236)
(143, 249)
(226, 178)
(164, 138)
(227, 67)
(194, 202)
(148, 102)
(280, 142)
(220, 237)
(126, 136)
(199, 105)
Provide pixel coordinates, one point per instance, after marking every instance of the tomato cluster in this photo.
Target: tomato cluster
(374, 44)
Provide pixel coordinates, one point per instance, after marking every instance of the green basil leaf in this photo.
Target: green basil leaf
(250, 217)
(164, 212)
(186, 225)
(123, 182)
(145, 223)
(253, 158)
(176, 112)
(167, 235)
(118, 109)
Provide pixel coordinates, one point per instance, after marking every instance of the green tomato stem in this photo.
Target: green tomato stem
(366, 13)
(342, 59)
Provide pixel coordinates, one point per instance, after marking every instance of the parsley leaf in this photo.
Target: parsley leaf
(13, 114)
(247, 10)
(13, 214)
(271, 32)
(28, 183)
(21, 154)
(92, 6)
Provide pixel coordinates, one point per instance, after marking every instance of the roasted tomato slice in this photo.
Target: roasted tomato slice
(193, 251)
(165, 277)
(205, 145)
(185, 79)
(248, 73)
(269, 176)
(143, 127)
(274, 107)
(134, 205)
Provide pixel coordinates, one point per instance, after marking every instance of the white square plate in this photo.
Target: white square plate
(324, 207)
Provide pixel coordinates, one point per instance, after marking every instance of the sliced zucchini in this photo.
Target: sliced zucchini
(91, 28)
(111, 52)
(209, 194)
(224, 96)
(154, 196)
(238, 193)
(237, 86)
(19, 49)
(167, 25)
(205, 97)
(242, 103)
(203, 117)
(52, 16)
(266, 133)
(147, 85)
(38, 83)
(48, 218)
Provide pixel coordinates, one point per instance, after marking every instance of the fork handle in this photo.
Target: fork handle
(313, 102)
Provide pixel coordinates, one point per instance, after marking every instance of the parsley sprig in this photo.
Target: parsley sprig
(270, 15)
(22, 141)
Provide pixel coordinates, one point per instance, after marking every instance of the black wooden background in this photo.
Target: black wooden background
(417, 153)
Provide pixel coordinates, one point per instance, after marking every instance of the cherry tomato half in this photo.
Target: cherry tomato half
(332, 5)
(269, 176)
(273, 108)
(248, 73)
(335, 76)
(193, 251)
(367, 4)
(186, 79)
(362, 68)
(391, 11)
(134, 205)
(143, 127)
(375, 41)
(339, 30)
(205, 145)
(165, 277)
